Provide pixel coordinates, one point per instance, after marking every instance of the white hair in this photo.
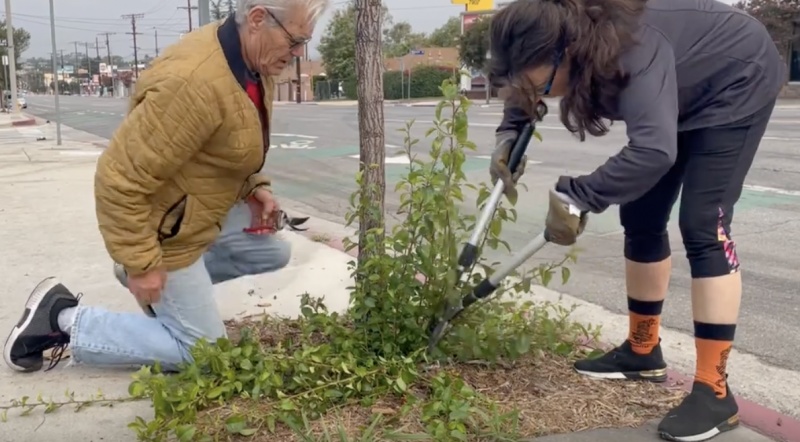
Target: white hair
(315, 8)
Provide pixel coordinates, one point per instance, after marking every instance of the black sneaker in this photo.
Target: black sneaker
(623, 363)
(701, 416)
(38, 331)
(122, 277)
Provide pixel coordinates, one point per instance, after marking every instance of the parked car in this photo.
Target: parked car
(23, 104)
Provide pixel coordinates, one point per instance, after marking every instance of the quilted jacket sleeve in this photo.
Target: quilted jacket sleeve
(170, 123)
(253, 181)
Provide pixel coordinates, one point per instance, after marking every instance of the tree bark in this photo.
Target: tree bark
(369, 75)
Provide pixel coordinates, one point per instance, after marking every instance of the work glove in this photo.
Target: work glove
(565, 220)
(498, 166)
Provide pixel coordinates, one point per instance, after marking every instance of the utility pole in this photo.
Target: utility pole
(189, 8)
(63, 73)
(88, 60)
(133, 32)
(97, 47)
(55, 76)
(12, 59)
(108, 47)
(77, 66)
(371, 133)
(156, 41)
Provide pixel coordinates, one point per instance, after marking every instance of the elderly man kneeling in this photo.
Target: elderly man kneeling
(178, 193)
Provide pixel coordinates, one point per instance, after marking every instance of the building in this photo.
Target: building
(286, 84)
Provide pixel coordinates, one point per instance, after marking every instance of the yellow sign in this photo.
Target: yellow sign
(478, 5)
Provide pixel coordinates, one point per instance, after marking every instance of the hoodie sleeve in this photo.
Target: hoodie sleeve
(513, 117)
(649, 108)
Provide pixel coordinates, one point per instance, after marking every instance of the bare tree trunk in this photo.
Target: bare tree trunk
(369, 74)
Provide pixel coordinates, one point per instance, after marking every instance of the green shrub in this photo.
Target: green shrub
(377, 349)
(426, 82)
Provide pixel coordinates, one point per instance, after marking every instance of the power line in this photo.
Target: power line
(133, 32)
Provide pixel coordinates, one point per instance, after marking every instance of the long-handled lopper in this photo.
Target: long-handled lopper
(439, 324)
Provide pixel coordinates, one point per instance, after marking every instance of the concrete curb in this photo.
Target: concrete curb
(756, 417)
(26, 122)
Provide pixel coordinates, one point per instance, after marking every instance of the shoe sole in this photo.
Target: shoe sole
(119, 273)
(31, 305)
(728, 425)
(656, 376)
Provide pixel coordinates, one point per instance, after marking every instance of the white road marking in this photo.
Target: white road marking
(391, 160)
(775, 190)
(487, 157)
(81, 153)
(308, 137)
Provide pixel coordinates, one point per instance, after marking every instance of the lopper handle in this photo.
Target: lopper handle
(520, 146)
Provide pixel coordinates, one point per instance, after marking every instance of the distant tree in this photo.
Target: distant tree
(779, 17)
(400, 39)
(338, 44)
(22, 40)
(447, 35)
(474, 44)
(222, 9)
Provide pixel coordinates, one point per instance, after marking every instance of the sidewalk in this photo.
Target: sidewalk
(49, 228)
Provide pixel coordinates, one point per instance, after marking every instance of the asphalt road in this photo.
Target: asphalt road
(314, 160)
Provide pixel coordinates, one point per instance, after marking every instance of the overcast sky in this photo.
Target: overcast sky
(83, 20)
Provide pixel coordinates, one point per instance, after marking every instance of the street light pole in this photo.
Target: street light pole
(55, 69)
(203, 12)
(486, 77)
(12, 61)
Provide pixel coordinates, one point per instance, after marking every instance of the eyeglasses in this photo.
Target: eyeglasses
(540, 89)
(294, 41)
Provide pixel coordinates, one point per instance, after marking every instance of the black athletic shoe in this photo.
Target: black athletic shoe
(623, 363)
(38, 331)
(701, 416)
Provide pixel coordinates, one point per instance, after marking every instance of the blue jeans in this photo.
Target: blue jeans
(187, 311)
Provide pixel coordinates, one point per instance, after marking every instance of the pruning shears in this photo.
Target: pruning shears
(439, 324)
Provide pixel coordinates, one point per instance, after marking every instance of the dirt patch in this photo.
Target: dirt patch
(548, 395)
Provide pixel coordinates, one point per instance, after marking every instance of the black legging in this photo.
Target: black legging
(711, 165)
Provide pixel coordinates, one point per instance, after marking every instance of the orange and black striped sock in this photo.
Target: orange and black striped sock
(644, 319)
(713, 343)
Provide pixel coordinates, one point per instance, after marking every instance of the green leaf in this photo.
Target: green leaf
(565, 275)
(235, 424)
(215, 392)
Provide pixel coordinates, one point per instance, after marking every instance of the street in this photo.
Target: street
(315, 156)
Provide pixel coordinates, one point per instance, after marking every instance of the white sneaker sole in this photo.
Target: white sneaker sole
(30, 307)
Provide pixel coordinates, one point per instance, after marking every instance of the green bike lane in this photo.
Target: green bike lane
(329, 172)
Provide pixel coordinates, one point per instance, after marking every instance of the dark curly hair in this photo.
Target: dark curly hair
(591, 33)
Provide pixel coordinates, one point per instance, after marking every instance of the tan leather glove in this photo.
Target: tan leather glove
(498, 166)
(565, 222)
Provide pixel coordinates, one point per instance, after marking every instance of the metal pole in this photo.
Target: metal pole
(55, 69)
(299, 79)
(12, 62)
(409, 84)
(204, 12)
(402, 80)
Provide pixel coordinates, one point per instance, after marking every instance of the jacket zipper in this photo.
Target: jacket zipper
(175, 227)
